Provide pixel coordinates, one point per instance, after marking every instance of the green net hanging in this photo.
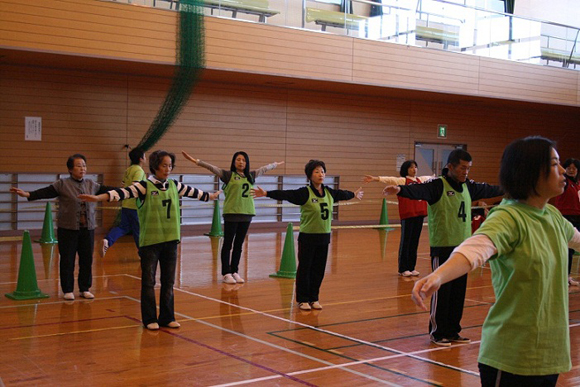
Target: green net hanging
(190, 62)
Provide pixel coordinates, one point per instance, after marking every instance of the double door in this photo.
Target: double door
(432, 158)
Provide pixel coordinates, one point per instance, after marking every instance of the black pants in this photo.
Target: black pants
(410, 234)
(71, 242)
(166, 255)
(310, 272)
(234, 233)
(492, 377)
(447, 302)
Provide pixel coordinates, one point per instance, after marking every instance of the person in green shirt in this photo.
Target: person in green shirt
(525, 338)
(315, 201)
(238, 208)
(129, 220)
(160, 220)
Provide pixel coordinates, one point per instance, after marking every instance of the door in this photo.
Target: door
(432, 158)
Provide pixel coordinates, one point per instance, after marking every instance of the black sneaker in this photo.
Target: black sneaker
(441, 342)
(459, 339)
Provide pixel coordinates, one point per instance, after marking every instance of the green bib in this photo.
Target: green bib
(159, 218)
(133, 173)
(238, 198)
(450, 217)
(316, 213)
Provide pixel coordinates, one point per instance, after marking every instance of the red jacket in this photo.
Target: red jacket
(409, 208)
(569, 202)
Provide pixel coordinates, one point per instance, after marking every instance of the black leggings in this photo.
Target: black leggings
(492, 377)
(234, 233)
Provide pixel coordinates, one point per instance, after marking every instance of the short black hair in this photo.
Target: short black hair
(156, 157)
(404, 171)
(246, 169)
(136, 155)
(571, 161)
(522, 164)
(311, 166)
(70, 162)
(458, 155)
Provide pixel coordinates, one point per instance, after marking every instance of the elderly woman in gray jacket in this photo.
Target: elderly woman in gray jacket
(76, 224)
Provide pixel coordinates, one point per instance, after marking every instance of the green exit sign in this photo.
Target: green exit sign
(442, 131)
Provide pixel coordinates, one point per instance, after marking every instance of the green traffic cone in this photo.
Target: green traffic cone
(288, 261)
(216, 224)
(383, 240)
(27, 287)
(384, 216)
(47, 227)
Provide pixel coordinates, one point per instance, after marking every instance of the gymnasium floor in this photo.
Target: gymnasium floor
(369, 332)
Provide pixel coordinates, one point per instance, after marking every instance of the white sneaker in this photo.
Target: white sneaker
(229, 279)
(69, 296)
(415, 273)
(104, 247)
(316, 305)
(304, 306)
(238, 279)
(88, 295)
(572, 282)
(406, 273)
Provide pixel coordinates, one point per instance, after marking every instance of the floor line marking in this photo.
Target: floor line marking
(266, 343)
(321, 330)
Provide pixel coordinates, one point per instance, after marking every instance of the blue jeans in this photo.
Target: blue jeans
(166, 255)
(129, 223)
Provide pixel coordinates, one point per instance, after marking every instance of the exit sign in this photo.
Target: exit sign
(442, 131)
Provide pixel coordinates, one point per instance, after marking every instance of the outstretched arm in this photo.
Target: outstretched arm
(20, 192)
(94, 198)
(369, 179)
(391, 190)
(456, 266)
(190, 158)
(258, 192)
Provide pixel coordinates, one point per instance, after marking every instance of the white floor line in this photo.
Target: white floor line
(327, 332)
(274, 346)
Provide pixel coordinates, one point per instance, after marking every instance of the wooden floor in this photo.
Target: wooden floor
(369, 333)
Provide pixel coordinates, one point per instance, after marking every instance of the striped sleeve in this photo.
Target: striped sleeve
(191, 192)
(133, 191)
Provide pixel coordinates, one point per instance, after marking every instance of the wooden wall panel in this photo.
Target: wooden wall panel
(94, 28)
(98, 113)
(397, 65)
(134, 33)
(504, 79)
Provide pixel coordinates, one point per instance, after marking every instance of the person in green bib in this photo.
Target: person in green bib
(315, 201)
(159, 216)
(238, 208)
(129, 220)
(449, 212)
(525, 339)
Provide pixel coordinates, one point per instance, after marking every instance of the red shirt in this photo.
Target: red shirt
(409, 208)
(569, 202)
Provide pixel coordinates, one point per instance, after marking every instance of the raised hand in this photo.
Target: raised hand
(359, 193)
(190, 158)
